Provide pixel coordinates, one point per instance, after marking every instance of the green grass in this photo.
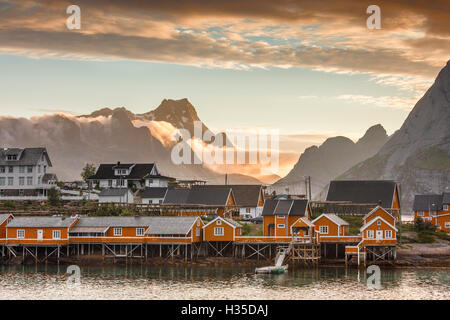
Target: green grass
(433, 159)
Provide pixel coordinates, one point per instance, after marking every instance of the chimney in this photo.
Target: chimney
(379, 203)
(118, 163)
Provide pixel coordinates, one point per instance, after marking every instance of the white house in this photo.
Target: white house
(24, 173)
(249, 197)
(116, 195)
(138, 175)
(153, 195)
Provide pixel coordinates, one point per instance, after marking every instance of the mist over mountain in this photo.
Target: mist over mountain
(330, 159)
(109, 135)
(418, 154)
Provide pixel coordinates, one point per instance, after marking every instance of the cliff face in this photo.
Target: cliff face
(417, 156)
(332, 158)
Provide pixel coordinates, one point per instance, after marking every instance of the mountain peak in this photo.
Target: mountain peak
(376, 132)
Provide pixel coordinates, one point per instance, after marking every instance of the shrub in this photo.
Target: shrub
(246, 229)
(420, 225)
(9, 204)
(54, 197)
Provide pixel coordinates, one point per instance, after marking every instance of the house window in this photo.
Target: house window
(2, 169)
(117, 232)
(21, 192)
(30, 169)
(323, 229)
(197, 232)
(388, 234)
(56, 234)
(160, 201)
(10, 169)
(140, 232)
(370, 234)
(445, 207)
(247, 210)
(280, 226)
(29, 181)
(218, 231)
(2, 192)
(20, 234)
(109, 183)
(218, 222)
(150, 181)
(198, 223)
(12, 157)
(280, 217)
(10, 181)
(21, 181)
(447, 225)
(21, 169)
(2, 181)
(420, 213)
(379, 222)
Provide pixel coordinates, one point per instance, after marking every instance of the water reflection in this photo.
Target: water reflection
(143, 282)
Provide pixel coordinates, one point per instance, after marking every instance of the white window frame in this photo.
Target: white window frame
(117, 232)
(20, 234)
(379, 222)
(219, 222)
(388, 234)
(370, 234)
(445, 207)
(420, 213)
(323, 229)
(56, 234)
(219, 231)
(281, 226)
(280, 217)
(447, 224)
(197, 232)
(140, 232)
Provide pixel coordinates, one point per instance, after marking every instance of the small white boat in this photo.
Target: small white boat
(272, 269)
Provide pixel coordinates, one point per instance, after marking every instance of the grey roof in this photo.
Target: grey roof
(3, 217)
(41, 222)
(283, 207)
(26, 156)
(49, 176)
(77, 229)
(107, 221)
(113, 192)
(295, 207)
(170, 225)
(334, 218)
(446, 198)
(201, 196)
(362, 191)
(233, 222)
(153, 193)
(269, 207)
(431, 202)
(245, 195)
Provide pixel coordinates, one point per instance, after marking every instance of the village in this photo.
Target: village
(141, 215)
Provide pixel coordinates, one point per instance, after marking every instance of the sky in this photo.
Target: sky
(307, 68)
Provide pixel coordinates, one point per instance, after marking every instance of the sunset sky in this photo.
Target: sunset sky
(309, 68)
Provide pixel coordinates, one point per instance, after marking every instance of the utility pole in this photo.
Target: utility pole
(309, 182)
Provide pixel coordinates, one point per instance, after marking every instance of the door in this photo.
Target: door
(379, 234)
(40, 234)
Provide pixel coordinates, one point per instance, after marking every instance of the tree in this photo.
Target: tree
(88, 171)
(54, 197)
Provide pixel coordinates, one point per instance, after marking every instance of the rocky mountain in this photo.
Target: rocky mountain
(332, 158)
(417, 156)
(109, 135)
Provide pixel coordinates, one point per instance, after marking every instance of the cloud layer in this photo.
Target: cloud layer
(326, 35)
